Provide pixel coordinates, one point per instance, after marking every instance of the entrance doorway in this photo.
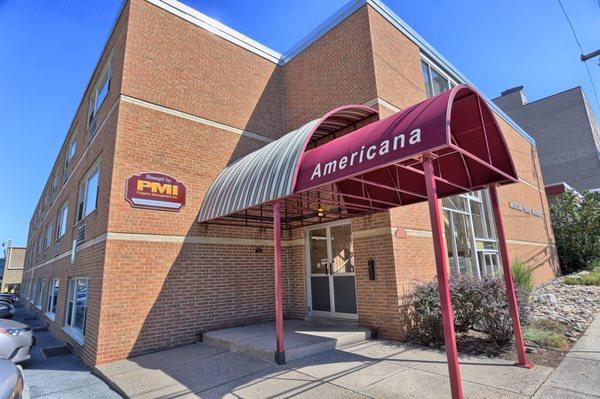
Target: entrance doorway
(331, 281)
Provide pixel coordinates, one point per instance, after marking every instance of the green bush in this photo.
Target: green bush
(589, 279)
(480, 304)
(522, 276)
(594, 265)
(576, 225)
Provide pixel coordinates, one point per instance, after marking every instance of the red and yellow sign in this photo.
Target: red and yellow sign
(150, 190)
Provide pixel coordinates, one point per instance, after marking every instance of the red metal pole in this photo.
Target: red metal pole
(508, 280)
(441, 262)
(280, 347)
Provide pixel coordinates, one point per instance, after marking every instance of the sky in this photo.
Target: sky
(48, 50)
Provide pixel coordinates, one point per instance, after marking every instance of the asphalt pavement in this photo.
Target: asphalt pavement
(58, 377)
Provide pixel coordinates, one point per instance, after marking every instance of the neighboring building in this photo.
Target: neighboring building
(566, 133)
(174, 99)
(12, 270)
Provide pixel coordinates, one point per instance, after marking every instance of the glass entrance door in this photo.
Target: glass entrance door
(330, 266)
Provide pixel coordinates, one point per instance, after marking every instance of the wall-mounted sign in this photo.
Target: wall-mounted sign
(150, 190)
(520, 207)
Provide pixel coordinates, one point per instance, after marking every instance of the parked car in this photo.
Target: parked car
(12, 383)
(7, 310)
(10, 297)
(16, 340)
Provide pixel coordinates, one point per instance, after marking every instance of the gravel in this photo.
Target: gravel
(575, 306)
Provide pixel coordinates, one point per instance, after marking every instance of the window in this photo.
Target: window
(61, 222)
(435, 81)
(99, 94)
(88, 194)
(71, 150)
(52, 295)
(77, 305)
(470, 235)
(55, 183)
(48, 236)
(40, 293)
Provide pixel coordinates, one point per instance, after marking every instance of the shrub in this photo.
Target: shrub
(427, 315)
(594, 266)
(522, 276)
(466, 294)
(495, 315)
(576, 225)
(480, 303)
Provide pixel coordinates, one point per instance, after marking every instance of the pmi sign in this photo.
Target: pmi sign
(150, 190)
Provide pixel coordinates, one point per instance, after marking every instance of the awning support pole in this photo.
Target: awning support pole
(441, 262)
(508, 280)
(280, 347)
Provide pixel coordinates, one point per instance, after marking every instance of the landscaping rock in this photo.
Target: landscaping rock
(530, 349)
(572, 305)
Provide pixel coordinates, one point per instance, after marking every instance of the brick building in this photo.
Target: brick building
(175, 98)
(11, 267)
(566, 132)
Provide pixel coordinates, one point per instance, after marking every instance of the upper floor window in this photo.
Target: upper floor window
(48, 236)
(71, 148)
(99, 95)
(436, 81)
(55, 182)
(88, 193)
(61, 222)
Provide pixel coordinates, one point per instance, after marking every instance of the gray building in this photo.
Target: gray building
(566, 132)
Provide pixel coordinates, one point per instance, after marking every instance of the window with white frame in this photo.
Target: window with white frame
(435, 80)
(61, 221)
(470, 235)
(40, 293)
(88, 193)
(48, 236)
(52, 296)
(71, 149)
(77, 304)
(99, 93)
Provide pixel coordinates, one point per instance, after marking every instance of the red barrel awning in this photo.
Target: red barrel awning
(379, 166)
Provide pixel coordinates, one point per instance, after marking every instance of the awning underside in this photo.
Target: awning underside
(457, 130)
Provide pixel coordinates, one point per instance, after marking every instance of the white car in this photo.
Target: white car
(16, 341)
(12, 384)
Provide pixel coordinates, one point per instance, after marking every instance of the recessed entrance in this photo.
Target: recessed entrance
(331, 279)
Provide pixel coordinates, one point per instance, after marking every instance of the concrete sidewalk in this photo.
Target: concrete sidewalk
(578, 375)
(376, 369)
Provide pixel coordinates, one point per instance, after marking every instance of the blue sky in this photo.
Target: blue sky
(49, 49)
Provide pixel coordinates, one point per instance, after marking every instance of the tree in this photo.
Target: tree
(576, 225)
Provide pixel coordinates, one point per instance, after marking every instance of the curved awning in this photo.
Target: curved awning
(270, 172)
(375, 167)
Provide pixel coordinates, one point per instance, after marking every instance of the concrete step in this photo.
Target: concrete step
(302, 338)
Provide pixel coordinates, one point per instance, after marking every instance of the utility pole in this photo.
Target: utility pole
(585, 57)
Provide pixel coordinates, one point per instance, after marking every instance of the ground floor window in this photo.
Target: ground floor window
(471, 235)
(40, 293)
(52, 295)
(77, 304)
